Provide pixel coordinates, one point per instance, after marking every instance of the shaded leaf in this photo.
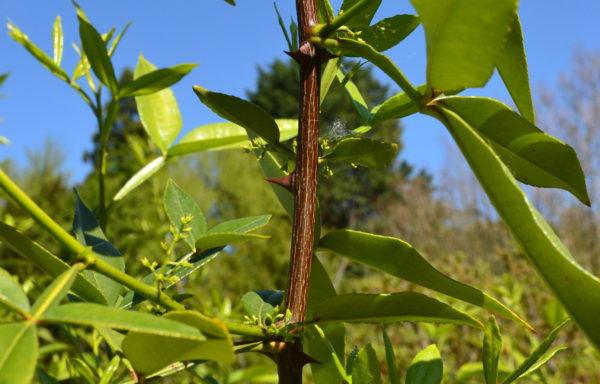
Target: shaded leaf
(142, 175)
(88, 232)
(365, 368)
(390, 31)
(156, 80)
(464, 38)
(426, 368)
(255, 305)
(180, 205)
(19, 352)
(241, 112)
(363, 151)
(12, 295)
(390, 358)
(392, 307)
(95, 49)
(400, 259)
(159, 112)
(492, 346)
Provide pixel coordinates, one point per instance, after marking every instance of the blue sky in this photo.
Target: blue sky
(228, 43)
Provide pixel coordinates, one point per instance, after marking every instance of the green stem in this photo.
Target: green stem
(327, 29)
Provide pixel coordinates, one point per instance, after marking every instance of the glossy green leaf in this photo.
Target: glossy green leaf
(534, 356)
(464, 38)
(41, 56)
(88, 232)
(577, 289)
(492, 346)
(426, 368)
(392, 307)
(362, 19)
(363, 151)
(158, 112)
(388, 32)
(49, 263)
(255, 305)
(243, 225)
(390, 358)
(396, 107)
(156, 80)
(365, 368)
(95, 49)
(328, 74)
(400, 259)
(534, 157)
(149, 353)
(57, 41)
(355, 96)
(179, 206)
(213, 240)
(241, 112)
(327, 346)
(12, 295)
(142, 175)
(19, 352)
(512, 66)
(55, 292)
(95, 315)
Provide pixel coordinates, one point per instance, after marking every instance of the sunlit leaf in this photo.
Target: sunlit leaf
(243, 225)
(213, 240)
(426, 368)
(178, 206)
(396, 107)
(388, 32)
(156, 80)
(362, 19)
(12, 295)
(57, 40)
(95, 49)
(492, 346)
(363, 151)
(19, 352)
(365, 368)
(55, 292)
(142, 175)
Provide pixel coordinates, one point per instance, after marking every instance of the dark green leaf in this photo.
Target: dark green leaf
(49, 263)
(426, 368)
(390, 358)
(40, 55)
(179, 206)
(213, 240)
(390, 31)
(324, 11)
(535, 355)
(362, 19)
(88, 232)
(12, 295)
(365, 368)
(400, 259)
(57, 41)
(492, 346)
(257, 306)
(158, 112)
(242, 225)
(396, 107)
(231, 2)
(393, 307)
(151, 352)
(534, 157)
(464, 38)
(142, 175)
(55, 292)
(45, 378)
(19, 352)
(577, 289)
(156, 80)
(363, 151)
(95, 49)
(512, 66)
(241, 112)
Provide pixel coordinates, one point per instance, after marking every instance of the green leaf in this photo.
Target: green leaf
(363, 151)
(492, 346)
(392, 307)
(324, 11)
(388, 32)
(512, 66)
(55, 292)
(95, 315)
(273, 165)
(149, 353)
(57, 41)
(390, 358)
(464, 38)
(41, 56)
(115, 42)
(214, 240)
(158, 112)
(243, 225)
(12, 295)
(363, 19)
(95, 49)
(534, 356)
(426, 368)
(45, 378)
(355, 96)
(179, 205)
(577, 289)
(396, 107)
(328, 74)
(142, 175)
(230, 2)
(258, 305)
(400, 259)
(542, 361)
(533, 157)
(88, 232)
(365, 368)
(19, 352)
(49, 263)
(241, 112)
(156, 80)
